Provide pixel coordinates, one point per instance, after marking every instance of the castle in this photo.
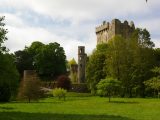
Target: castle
(104, 33)
(107, 30)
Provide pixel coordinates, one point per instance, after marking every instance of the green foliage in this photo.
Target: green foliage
(24, 61)
(51, 61)
(154, 82)
(8, 73)
(9, 77)
(157, 56)
(95, 70)
(128, 60)
(64, 82)
(35, 48)
(30, 89)
(72, 62)
(3, 33)
(107, 87)
(60, 93)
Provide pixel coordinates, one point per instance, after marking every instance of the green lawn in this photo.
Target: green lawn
(83, 108)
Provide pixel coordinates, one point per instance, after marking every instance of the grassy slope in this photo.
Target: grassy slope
(83, 108)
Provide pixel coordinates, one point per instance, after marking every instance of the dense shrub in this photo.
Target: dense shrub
(64, 82)
(60, 93)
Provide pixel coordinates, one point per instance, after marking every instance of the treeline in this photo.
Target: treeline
(49, 60)
(130, 61)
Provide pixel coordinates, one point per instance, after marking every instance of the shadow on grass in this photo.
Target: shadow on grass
(6, 108)
(124, 102)
(50, 116)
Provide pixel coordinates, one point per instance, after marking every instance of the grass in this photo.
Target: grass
(82, 108)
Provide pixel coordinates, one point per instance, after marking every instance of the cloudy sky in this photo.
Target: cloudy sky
(72, 22)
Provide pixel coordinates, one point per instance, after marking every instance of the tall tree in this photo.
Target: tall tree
(96, 67)
(25, 59)
(8, 72)
(51, 61)
(118, 62)
(143, 58)
(3, 33)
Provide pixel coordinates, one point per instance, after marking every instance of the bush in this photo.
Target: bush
(60, 93)
(64, 82)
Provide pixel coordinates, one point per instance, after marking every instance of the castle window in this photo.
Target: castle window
(80, 58)
(81, 65)
(80, 51)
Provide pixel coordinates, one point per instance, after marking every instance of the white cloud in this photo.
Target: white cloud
(84, 16)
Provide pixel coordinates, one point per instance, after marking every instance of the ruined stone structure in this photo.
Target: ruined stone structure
(108, 30)
(81, 64)
(30, 74)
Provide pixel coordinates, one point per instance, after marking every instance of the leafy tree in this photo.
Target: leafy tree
(25, 59)
(154, 82)
(9, 75)
(95, 70)
(35, 48)
(64, 82)
(143, 59)
(157, 56)
(107, 87)
(72, 62)
(3, 33)
(51, 61)
(119, 61)
(130, 61)
(8, 78)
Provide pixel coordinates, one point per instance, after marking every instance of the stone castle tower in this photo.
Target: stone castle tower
(108, 30)
(81, 64)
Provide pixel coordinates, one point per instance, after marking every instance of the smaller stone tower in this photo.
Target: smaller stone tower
(81, 64)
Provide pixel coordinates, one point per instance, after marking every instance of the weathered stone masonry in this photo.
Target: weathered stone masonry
(108, 30)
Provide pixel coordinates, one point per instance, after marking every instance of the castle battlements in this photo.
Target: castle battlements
(108, 30)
